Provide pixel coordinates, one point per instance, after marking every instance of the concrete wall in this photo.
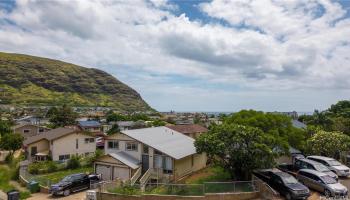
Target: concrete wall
(123, 139)
(236, 196)
(67, 145)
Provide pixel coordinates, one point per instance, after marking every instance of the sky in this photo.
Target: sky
(219, 55)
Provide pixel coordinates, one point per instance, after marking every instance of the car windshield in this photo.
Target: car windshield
(321, 168)
(67, 179)
(328, 180)
(333, 163)
(289, 180)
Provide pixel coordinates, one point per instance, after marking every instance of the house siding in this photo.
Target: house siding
(123, 139)
(33, 130)
(42, 145)
(184, 166)
(67, 145)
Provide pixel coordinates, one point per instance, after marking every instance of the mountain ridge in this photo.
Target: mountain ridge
(33, 80)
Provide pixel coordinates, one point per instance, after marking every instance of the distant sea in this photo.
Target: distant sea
(227, 113)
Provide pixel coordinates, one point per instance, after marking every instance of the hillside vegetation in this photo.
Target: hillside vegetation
(29, 80)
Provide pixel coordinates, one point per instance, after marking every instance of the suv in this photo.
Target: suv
(310, 164)
(73, 183)
(322, 182)
(332, 164)
(288, 186)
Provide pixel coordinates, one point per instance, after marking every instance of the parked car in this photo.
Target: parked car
(73, 183)
(332, 164)
(322, 182)
(310, 164)
(288, 186)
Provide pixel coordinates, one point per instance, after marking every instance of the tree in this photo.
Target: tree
(4, 128)
(11, 142)
(278, 127)
(63, 116)
(114, 129)
(328, 143)
(158, 122)
(238, 149)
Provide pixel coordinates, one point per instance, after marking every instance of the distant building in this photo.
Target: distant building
(298, 124)
(91, 126)
(191, 130)
(31, 120)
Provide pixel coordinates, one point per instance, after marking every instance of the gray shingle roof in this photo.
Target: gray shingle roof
(166, 140)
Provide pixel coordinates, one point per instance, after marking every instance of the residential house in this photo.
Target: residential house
(191, 130)
(149, 153)
(90, 126)
(59, 144)
(32, 120)
(128, 125)
(29, 130)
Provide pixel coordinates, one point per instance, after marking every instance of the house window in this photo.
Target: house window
(145, 149)
(26, 131)
(77, 143)
(131, 147)
(89, 140)
(64, 157)
(113, 144)
(167, 165)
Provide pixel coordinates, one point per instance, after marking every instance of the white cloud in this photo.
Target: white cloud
(279, 46)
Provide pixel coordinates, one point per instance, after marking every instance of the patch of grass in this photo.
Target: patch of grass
(5, 177)
(228, 187)
(126, 190)
(51, 178)
(177, 189)
(209, 174)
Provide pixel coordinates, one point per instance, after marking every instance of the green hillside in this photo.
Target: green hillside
(29, 80)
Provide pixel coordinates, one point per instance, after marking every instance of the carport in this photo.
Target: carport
(116, 166)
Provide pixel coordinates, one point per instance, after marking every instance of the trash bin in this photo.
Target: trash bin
(91, 195)
(33, 186)
(13, 195)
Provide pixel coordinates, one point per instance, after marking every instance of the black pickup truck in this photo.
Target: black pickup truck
(284, 183)
(73, 183)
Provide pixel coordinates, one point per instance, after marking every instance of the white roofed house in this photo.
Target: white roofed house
(149, 153)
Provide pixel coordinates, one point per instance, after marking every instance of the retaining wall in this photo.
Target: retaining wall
(223, 196)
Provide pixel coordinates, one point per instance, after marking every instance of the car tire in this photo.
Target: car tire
(288, 196)
(66, 193)
(327, 193)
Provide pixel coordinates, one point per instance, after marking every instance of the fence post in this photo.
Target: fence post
(234, 186)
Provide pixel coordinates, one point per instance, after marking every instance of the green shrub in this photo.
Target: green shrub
(34, 168)
(51, 166)
(73, 162)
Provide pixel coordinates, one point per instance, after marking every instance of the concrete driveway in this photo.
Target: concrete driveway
(74, 196)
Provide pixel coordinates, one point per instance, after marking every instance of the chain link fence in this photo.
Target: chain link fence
(179, 189)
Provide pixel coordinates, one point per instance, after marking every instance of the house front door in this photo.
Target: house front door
(145, 163)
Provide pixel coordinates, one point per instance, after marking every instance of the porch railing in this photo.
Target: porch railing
(136, 176)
